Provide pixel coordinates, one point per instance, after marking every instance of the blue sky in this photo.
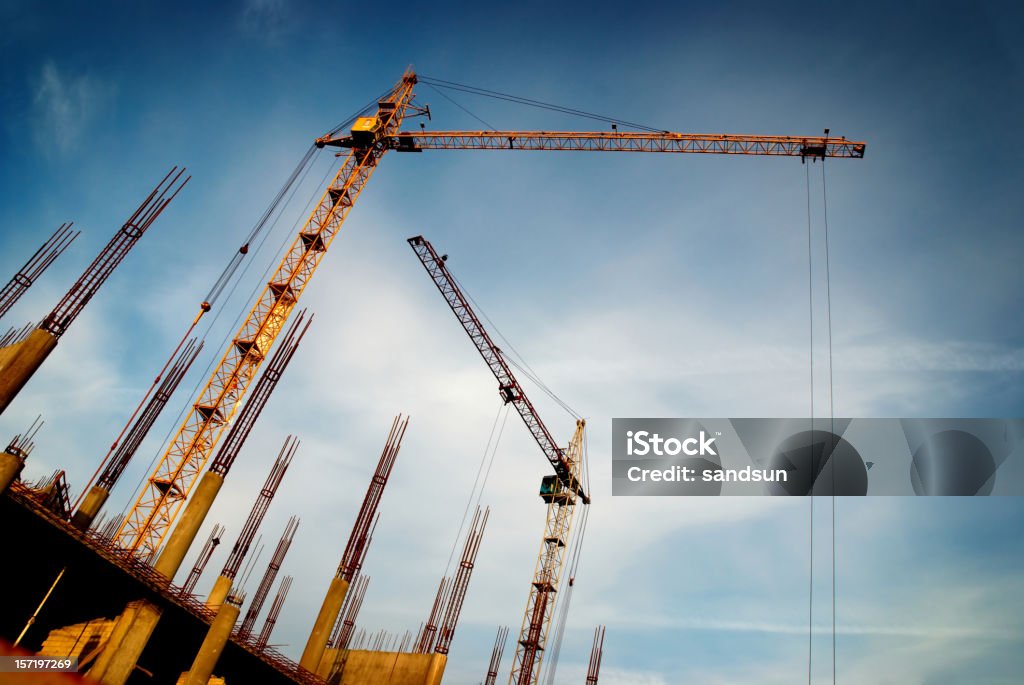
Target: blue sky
(636, 285)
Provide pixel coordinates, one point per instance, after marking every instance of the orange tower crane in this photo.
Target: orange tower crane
(150, 519)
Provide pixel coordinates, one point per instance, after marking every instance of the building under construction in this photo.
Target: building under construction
(99, 586)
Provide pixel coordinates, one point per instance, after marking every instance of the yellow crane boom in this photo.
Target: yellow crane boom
(617, 141)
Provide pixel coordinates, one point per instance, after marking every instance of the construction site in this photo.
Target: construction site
(158, 592)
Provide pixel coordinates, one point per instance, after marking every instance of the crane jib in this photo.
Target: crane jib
(508, 387)
(615, 141)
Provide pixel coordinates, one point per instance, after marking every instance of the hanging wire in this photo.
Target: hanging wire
(487, 459)
(810, 306)
(236, 259)
(490, 463)
(831, 406)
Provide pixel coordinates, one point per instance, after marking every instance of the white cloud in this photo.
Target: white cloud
(66, 105)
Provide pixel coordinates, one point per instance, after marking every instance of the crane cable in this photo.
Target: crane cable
(211, 298)
(526, 371)
(831, 406)
(529, 102)
(232, 266)
(486, 461)
(830, 457)
(299, 171)
(810, 307)
(490, 127)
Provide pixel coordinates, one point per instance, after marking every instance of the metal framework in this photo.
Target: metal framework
(122, 454)
(259, 507)
(359, 540)
(424, 643)
(148, 521)
(220, 397)
(74, 301)
(53, 493)
(22, 444)
(158, 584)
(594, 667)
(547, 575)
(560, 491)
(256, 605)
(496, 653)
(508, 386)
(16, 335)
(342, 632)
(461, 584)
(204, 558)
(35, 266)
(615, 141)
(341, 636)
(275, 611)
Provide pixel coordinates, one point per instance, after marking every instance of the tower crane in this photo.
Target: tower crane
(151, 517)
(561, 492)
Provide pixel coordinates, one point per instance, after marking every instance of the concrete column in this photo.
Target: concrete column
(91, 506)
(327, 662)
(192, 518)
(220, 591)
(127, 641)
(321, 632)
(10, 467)
(435, 671)
(21, 362)
(140, 618)
(216, 637)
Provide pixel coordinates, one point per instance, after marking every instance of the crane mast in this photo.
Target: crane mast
(150, 518)
(560, 491)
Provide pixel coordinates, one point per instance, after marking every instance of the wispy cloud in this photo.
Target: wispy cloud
(65, 105)
(929, 630)
(267, 19)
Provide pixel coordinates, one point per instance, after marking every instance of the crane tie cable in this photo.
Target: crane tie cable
(521, 365)
(831, 405)
(474, 90)
(490, 127)
(810, 306)
(830, 456)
